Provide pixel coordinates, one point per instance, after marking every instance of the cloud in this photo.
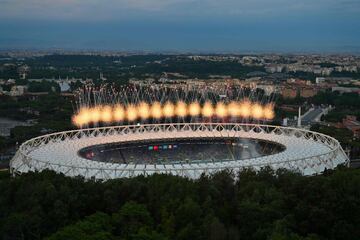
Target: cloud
(181, 24)
(119, 9)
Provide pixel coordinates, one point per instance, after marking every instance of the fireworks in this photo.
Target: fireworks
(168, 110)
(156, 111)
(144, 111)
(194, 109)
(118, 113)
(106, 114)
(245, 108)
(131, 113)
(234, 109)
(221, 110)
(207, 110)
(181, 109)
(257, 111)
(268, 111)
(132, 103)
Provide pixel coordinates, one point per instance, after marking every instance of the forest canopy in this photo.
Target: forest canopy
(246, 205)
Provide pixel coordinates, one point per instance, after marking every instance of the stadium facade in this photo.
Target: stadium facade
(296, 149)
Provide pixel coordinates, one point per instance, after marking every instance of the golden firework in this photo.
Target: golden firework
(245, 109)
(131, 113)
(155, 110)
(221, 110)
(144, 110)
(168, 110)
(181, 109)
(194, 109)
(119, 113)
(257, 111)
(95, 115)
(269, 111)
(233, 109)
(106, 114)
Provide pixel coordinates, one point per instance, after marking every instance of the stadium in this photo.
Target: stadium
(184, 149)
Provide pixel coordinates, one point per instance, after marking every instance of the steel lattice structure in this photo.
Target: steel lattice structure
(306, 151)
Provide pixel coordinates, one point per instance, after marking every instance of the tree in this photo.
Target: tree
(94, 227)
(263, 204)
(131, 218)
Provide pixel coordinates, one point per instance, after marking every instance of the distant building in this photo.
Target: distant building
(346, 89)
(308, 92)
(17, 91)
(326, 71)
(64, 86)
(101, 77)
(268, 88)
(23, 71)
(289, 92)
(10, 81)
(320, 80)
(298, 81)
(352, 124)
(271, 69)
(285, 122)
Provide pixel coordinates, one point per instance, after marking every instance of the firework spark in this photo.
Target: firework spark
(144, 111)
(132, 103)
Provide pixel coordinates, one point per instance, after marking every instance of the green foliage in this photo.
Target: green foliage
(338, 114)
(344, 136)
(3, 143)
(9, 72)
(198, 69)
(4, 174)
(327, 65)
(76, 85)
(131, 218)
(7, 88)
(43, 86)
(120, 69)
(349, 100)
(54, 114)
(93, 227)
(21, 82)
(354, 75)
(341, 134)
(255, 205)
(304, 75)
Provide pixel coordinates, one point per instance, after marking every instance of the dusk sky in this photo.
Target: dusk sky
(182, 25)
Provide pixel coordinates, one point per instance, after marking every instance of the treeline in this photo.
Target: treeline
(125, 67)
(252, 205)
(347, 101)
(354, 75)
(50, 113)
(338, 114)
(345, 104)
(198, 69)
(43, 86)
(344, 136)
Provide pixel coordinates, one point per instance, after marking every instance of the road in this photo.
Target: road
(7, 124)
(355, 163)
(312, 115)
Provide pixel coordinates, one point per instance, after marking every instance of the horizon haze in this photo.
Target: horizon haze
(326, 26)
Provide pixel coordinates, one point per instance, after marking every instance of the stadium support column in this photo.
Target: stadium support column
(299, 118)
